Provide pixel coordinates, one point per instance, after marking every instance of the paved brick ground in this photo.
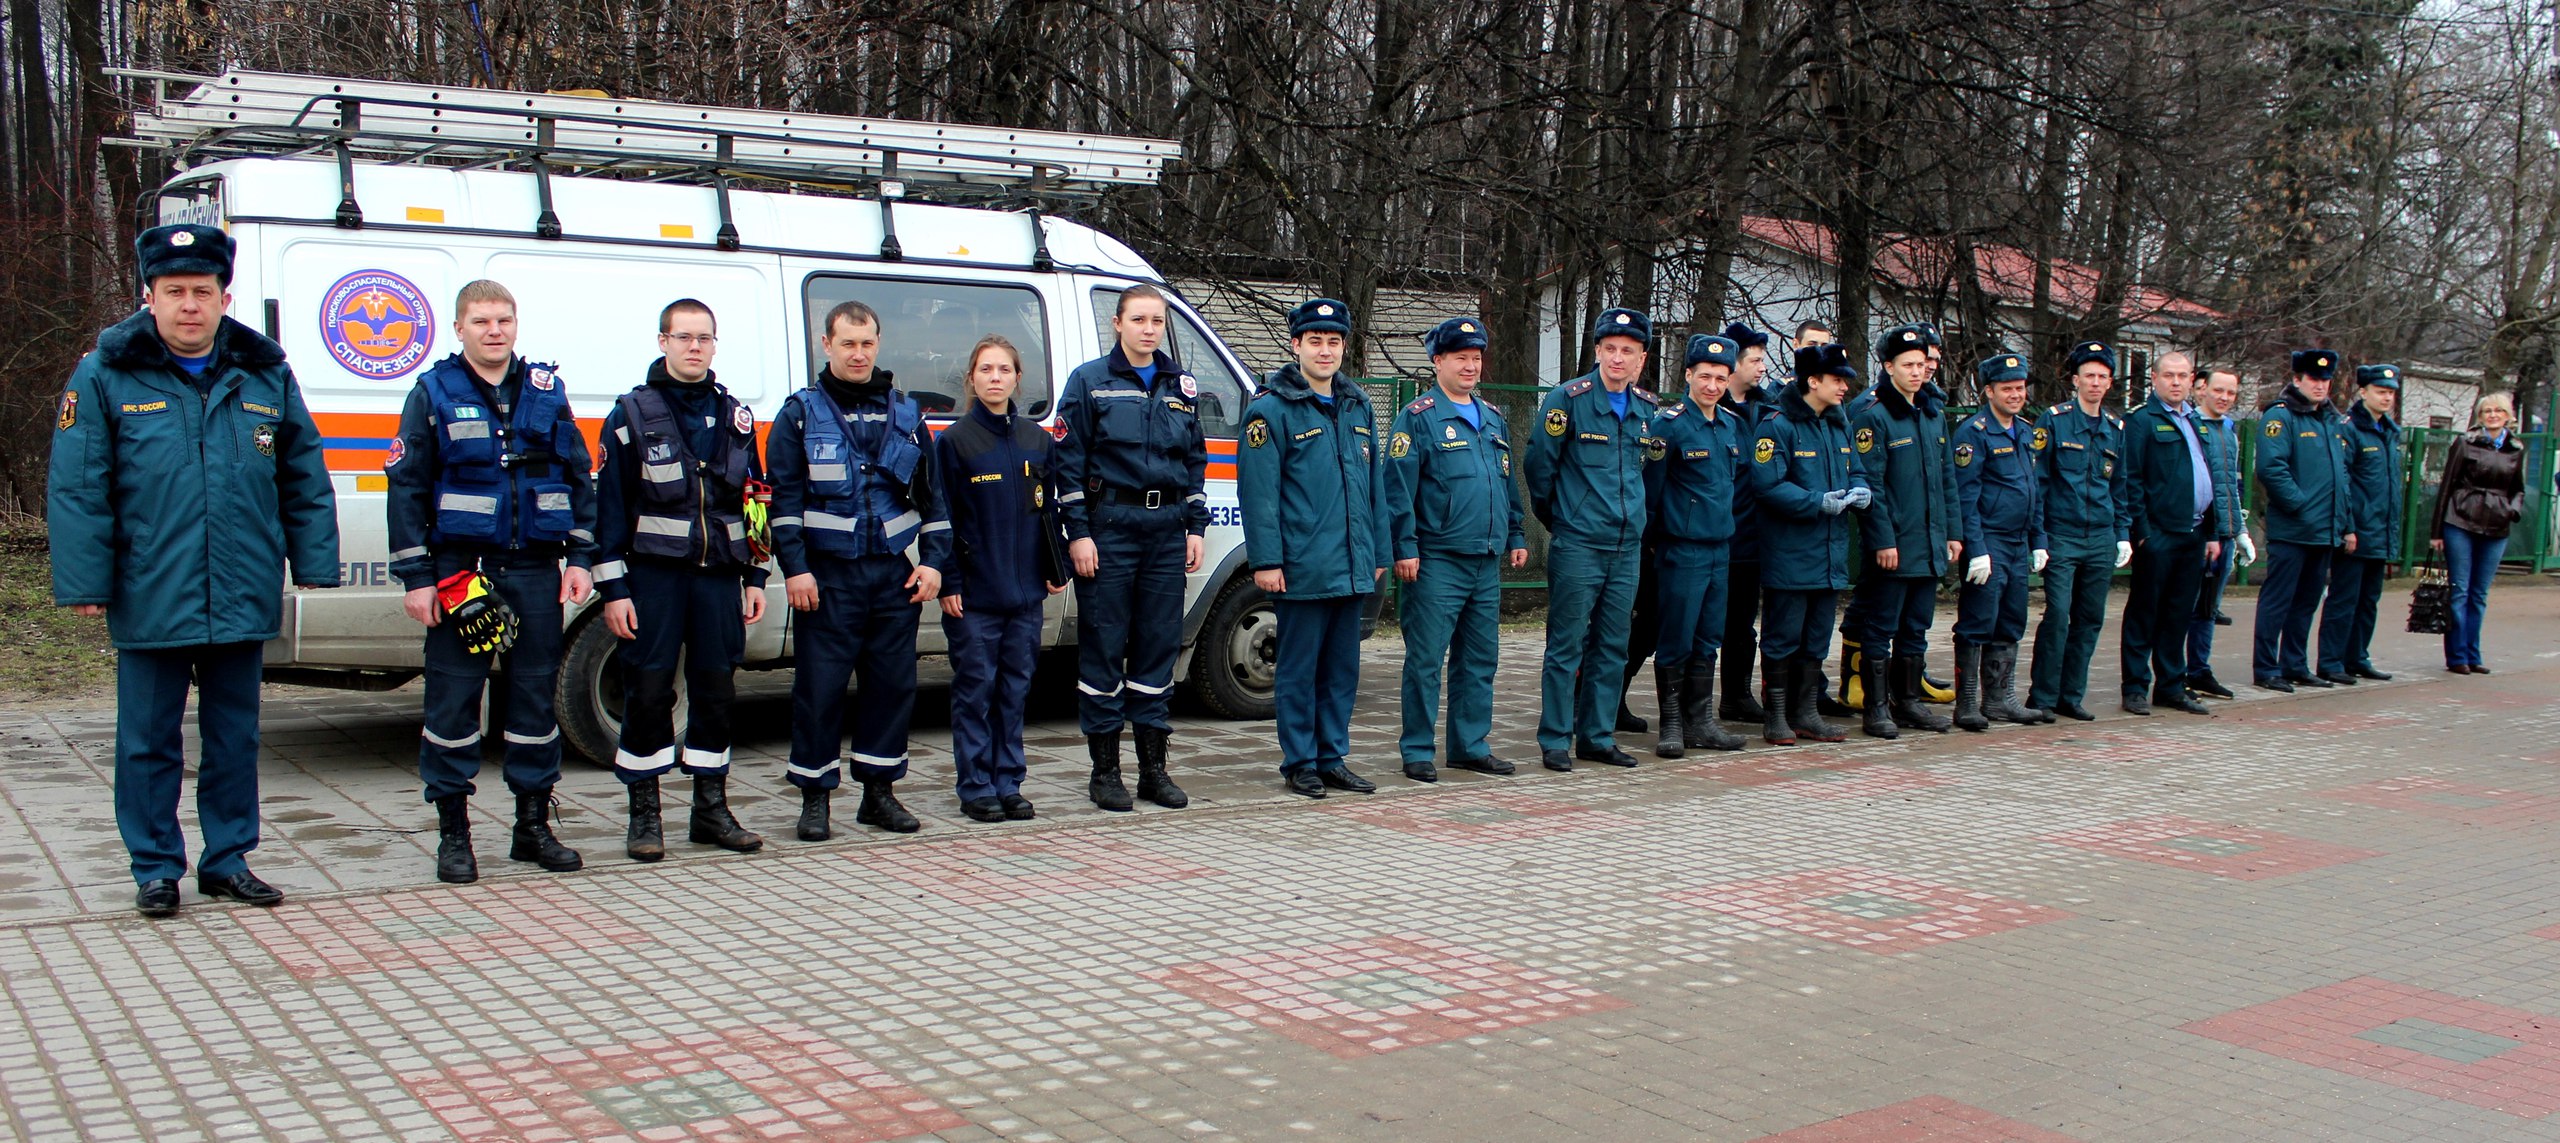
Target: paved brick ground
(2331, 915)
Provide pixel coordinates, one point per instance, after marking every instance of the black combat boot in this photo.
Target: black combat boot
(1629, 722)
(1106, 789)
(712, 823)
(1969, 688)
(1738, 705)
(1875, 711)
(1999, 683)
(1775, 727)
(1697, 709)
(814, 814)
(880, 808)
(534, 841)
(1154, 784)
(1668, 682)
(646, 839)
(1908, 676)
(454, 863)
(1804, 695)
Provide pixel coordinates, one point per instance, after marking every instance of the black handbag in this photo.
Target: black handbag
(2431, 602)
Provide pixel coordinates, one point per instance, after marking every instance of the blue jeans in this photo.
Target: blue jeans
(2470, 562)
(151, 708)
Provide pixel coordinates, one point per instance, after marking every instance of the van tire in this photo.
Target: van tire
(588, 696)
(1231, 666)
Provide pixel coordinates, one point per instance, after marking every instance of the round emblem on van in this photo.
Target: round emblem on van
(376, 324)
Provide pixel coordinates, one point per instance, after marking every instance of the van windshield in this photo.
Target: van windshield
(927, 329)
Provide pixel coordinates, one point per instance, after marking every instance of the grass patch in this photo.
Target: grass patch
(46, 652)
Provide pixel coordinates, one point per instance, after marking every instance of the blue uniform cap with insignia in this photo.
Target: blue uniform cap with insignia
(2379, 376)
(1900, 340)
(1707, 348)
(2316, 364)
(1816, 360)
(183, 249)
(2089, 351)
(1453, 335)
(1622, 322)
(1320, 315)
(2001, 367)
(1743, 336)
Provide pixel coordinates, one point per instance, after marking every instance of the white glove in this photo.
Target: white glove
(1834, 503)
(2124, 552)
(2042, 556)
(1977, 570)
(2248, 550)
(1861, 497)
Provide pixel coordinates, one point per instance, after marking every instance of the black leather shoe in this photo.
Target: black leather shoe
(2366, 671)
(2221, 620)
(1017, 808)
(2337, 678)
(157, 898)
(2477, 669)
(1303, 783)
(1422, 771)
(816, 815)
(880, 807)
(2073, 710)
(243, 887)
(2209, 686)
(1340, 777)
(1556, 760)
(2314, 682)
(983, 810)
(1608, 757)
(2272, 683)
(1485, 765)
(2181, 701)
(2136, 704)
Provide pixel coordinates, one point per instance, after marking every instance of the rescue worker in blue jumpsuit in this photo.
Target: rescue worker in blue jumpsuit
(1856, 620)
(2079, 448)
(1806, 477)
(679, 580)
(1910, 534)
(1689, 480)
(2303, 470)
(186, 478)
(1315, 534)
(490, 473)
(1747, 400)
(2177, 534)
(2215, 398)
(1453, 517)
(1007, 558)
(1132, 487)
(2004, 544)
(853, 488)
(1585, 471)
(2375, 508)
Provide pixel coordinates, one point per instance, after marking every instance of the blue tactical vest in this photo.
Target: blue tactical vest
(501, 484)
(859, 506)
(681, 495)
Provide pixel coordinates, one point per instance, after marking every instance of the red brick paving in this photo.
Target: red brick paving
(2187, 843)
(1928, 1119)
(2453, 801)
(997, 870)
(432, 929)
(1891, 913)
(2325, 1027)
(1480, 819)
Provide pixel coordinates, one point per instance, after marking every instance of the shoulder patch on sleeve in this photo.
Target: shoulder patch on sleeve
(1557, 422)
(1257, 432)
(1764, 451)
(67, 411)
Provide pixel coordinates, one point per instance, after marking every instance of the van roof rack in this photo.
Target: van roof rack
(274, 114)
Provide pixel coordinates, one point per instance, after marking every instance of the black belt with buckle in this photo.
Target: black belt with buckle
(1143, 497)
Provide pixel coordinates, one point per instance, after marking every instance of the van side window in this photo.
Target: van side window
(1222, 392)
(927, 329)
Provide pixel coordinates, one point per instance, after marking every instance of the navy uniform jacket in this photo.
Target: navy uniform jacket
(1902, 444)
(1796, 457)
(995, 471)
(1449, 487)
(1123, 435)
(2302, 466)
(786, 456)
(1746, 408)
(1689, 487)
(1996, 494)
(2080, 470)
(1313, 494)
(618, 490)
(2374, 507)
(409, 506)
(1586, 465)
(2160, 474)
(178, 508)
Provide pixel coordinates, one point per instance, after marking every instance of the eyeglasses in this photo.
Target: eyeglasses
(691, 338)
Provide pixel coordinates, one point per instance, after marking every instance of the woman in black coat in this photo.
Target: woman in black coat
(2479, 499)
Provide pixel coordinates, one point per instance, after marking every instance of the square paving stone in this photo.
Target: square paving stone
(2469, 1051)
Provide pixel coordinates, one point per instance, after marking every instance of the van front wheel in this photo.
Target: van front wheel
(1233, 667)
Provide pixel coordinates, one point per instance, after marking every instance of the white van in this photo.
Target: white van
(352, 262)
